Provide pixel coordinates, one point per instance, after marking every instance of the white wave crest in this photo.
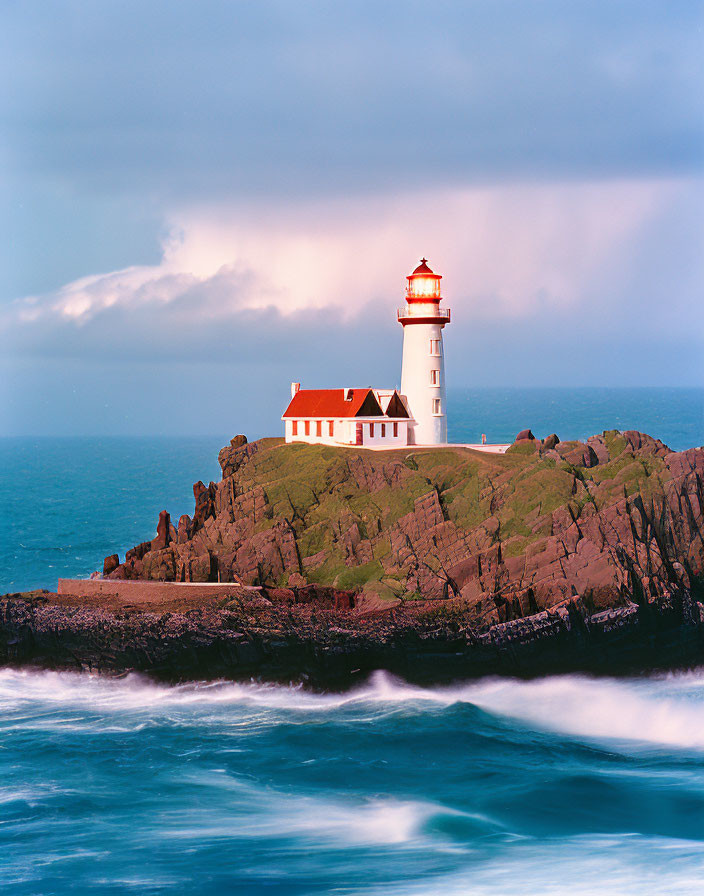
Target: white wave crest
(665, 710)
(275, 814)
(660, 711)
(580, 866)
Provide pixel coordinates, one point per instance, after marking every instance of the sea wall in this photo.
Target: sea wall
(142, 592)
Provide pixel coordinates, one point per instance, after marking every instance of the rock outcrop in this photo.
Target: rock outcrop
(432, 563)
(319, 638)
(110, 564)
(613, 520)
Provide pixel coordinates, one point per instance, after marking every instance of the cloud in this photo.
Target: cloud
(123, 113)
(200, 194)
(272, 98)
(503, 251)
(566, 284)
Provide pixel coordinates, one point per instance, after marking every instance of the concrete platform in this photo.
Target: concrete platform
(146, 592)
(487, 449)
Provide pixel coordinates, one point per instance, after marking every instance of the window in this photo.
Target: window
(331, 428)
(435, 346)
(294, 428)
(318, 427)
(371, 430)
(307, 427)
(395, 430)
(436, 406)
(383, 430)
(434, 377)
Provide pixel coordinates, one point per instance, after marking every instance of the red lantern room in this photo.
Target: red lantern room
(423, 284)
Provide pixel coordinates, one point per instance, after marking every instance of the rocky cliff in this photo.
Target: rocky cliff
(315, 636)
(435, 564)
(617, 519)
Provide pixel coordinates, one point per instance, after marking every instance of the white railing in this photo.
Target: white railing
(404, 313)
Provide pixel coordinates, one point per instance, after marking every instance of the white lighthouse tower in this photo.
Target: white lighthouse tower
(423, 368)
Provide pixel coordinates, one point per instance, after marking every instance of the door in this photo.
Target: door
(360, 434)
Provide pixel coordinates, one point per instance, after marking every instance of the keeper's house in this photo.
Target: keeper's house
(370, 417)
(385, 418)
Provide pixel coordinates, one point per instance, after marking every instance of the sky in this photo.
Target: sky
(202, 201)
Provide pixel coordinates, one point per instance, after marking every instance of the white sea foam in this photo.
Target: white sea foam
(667, 710)
(8, 795)
(659, 711)
(267, 812)
(580, 866)
(272, 815)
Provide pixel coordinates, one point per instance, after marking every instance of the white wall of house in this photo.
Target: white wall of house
(345, 432)
(312, 436)
(379, 426)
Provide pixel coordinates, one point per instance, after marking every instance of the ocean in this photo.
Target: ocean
(122, 786)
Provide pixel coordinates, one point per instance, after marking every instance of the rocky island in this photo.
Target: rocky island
(326, 563)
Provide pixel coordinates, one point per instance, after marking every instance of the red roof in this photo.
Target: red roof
(423, 267)
(333, 404)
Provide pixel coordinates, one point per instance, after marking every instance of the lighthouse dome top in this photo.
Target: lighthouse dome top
(423, 268)
(423, 283)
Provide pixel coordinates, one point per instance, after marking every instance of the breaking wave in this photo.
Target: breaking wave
(495, 786)
(664, 710)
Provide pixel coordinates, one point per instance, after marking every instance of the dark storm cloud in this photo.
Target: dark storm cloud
(184, 100)
(112, 113)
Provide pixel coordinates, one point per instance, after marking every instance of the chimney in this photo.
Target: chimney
(294, 388)
(348, 394)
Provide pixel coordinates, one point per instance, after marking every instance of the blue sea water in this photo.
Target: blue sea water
(561, 785)
(123, 786)
(676, 416)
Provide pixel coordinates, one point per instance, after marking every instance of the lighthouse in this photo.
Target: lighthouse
(423, 365)
(385, 419)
